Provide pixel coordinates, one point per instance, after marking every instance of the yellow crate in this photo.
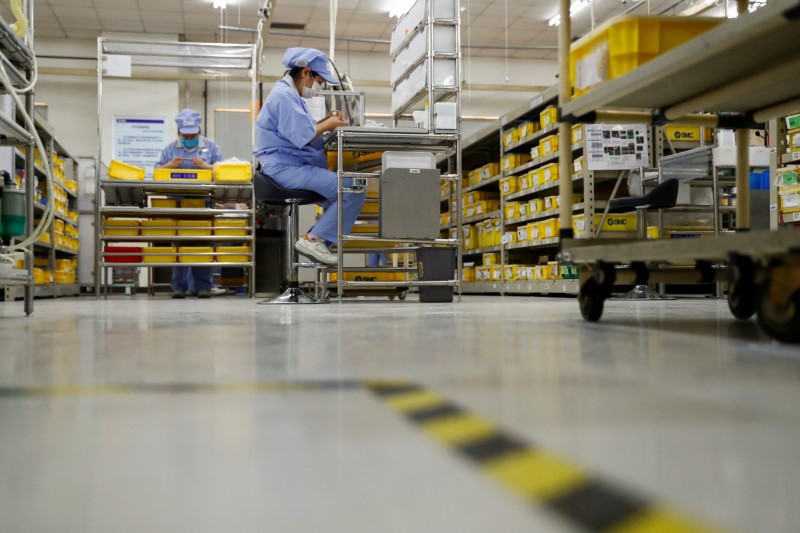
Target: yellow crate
(168, 257)
(535, 152)
(489, 171)
(512, 161)
(626, 42)
(550, 202)
(233, 172)
(365, 228)
(497, 235)
(614, 222)
(182, 174)
(370, 208)
(789, 199)
(510, 136)
(477, 196)
(118, 170)
(578, 165)
(196, 258)
(243, 256)
(241, 225)
(482, 273)
(495, 273)
(548, 116)
(469, 237)
(548, 145)
(64, 278)
(158, 223)
(548, 229)
(509, 185)
(550, 172)
(194, 203)
(527, 181)
(512, 272)
(59, 226)
(163, 203)
(488, 233)
(577, 133)
(512, 210)
(131, 226)
(686, 133)
(197, 224)
(468, 275)
(527, 129)
(490, 259)
(444, 219)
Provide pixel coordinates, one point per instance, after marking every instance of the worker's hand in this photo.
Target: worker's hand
(334, 122)
(333, 113)
(175, 162)
(199, 163)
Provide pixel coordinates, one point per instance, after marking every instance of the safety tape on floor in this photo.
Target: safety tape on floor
(538, 476)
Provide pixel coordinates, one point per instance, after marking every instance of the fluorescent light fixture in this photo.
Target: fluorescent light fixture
(220, 4)
(400, 7)
(698, 7)
(574, 9)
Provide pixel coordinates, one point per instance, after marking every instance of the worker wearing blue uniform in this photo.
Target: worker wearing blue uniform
(191, 150)
(289, 146)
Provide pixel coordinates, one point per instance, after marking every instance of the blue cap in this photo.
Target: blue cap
(188, 121)
(311, 58)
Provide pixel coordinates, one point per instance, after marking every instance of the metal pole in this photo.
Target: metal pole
(339, 227)
(29, 193)
(564, 128)
(742, 180)
(98, 201)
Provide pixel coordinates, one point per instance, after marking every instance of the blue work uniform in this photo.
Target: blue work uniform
(191, 279)
(290, 154)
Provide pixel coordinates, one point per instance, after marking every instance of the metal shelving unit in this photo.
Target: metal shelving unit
(699, 76)
(130, 199)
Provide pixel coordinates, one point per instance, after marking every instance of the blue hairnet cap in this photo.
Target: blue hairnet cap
(188, 121)
(311, 58)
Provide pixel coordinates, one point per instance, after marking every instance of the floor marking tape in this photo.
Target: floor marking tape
(539, 476)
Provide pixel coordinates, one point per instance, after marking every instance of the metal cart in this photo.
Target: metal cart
(763, 268)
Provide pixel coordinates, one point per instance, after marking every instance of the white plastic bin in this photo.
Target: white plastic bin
(442, 9)
(444, 73)
(444, 40)
(407, 160)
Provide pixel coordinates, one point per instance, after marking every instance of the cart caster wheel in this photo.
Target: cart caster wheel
(780, 323)
(742, 291)
(402, 295)
(391, 298)
(590, 299)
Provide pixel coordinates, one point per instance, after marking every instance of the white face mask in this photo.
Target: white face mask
(311, 92)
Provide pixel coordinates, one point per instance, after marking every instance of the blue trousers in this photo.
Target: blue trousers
(324, 182)
(191, 279)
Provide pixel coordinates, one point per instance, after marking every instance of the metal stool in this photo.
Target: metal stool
(270, 193)
(663, 196)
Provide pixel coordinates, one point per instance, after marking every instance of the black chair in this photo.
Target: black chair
(270, 193)
(663, 196)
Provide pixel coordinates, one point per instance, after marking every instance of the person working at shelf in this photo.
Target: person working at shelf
(191, 150)
(289, 147)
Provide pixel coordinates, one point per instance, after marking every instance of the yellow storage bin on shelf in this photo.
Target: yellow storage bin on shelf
(468, 275)
(577, 133)
(625, 222)
(128, 227)
(238, 227)
(469, 237)
(182, 174)
(241, 257)
(510, 136)
(626, 42)
(233, 172)
(548, 116)
(165, 254)
(194, 228)
(687, 133)
(367, 276)
(488, 171)
(193, 203)
(490, 259)
(512, 210)
(477, 196)
(548, 229)
(163, 203)
(512, 161)
(549, 172)
(117, 170)
(528, 129)
(159, 227)
(196, 258)
(64, 278)
(509, 185)
(548, 145)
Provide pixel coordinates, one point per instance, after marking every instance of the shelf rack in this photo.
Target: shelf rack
(130, 199)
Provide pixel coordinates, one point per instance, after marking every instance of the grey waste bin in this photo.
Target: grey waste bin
(436, 264)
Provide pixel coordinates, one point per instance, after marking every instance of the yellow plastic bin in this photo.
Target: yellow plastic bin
(164, 203)
(242, 258)
(233, 172)
(194, 203)
(239, 227)
(195, 258)
(161, 227)
(128, 227)
(166, 254)
(194, 228)
(117, 170)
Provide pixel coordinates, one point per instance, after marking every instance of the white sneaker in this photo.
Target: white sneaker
(218, 291)
(316, 250)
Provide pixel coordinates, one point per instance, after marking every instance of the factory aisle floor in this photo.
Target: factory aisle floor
(496, 414)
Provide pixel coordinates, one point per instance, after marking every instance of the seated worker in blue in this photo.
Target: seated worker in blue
(191, 150)
(289, 146)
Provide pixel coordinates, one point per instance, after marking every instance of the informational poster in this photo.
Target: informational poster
(139, 141)
(620, 147)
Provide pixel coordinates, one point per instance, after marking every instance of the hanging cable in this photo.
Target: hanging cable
(506, 6)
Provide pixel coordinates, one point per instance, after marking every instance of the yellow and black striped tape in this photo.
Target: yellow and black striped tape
(537, 475)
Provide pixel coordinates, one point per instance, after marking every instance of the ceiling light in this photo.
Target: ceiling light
(220, 4)
(400, 7)
(574, 9)
(698, 7)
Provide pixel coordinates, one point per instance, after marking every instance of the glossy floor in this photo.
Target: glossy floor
(671, 400)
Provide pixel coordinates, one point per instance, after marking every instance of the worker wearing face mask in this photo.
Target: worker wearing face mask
(191, 150)
(289, 146)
